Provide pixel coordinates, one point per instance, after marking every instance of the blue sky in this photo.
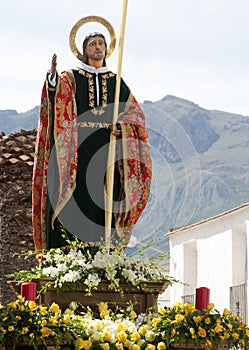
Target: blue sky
(193, 49)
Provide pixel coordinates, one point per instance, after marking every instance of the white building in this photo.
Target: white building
(213, 253)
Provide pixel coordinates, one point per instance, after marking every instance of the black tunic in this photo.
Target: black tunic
(84, 214)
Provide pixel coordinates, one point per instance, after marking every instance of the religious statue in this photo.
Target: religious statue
(73, 141)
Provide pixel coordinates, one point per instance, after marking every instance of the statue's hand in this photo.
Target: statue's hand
(116, 129)
(53, 65)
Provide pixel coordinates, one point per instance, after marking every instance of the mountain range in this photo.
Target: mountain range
(200, 162)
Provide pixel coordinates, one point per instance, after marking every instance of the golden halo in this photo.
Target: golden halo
(85, 20)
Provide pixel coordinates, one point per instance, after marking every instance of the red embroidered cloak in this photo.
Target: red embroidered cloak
(135, 168)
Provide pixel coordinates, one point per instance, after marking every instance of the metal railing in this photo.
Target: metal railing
(238, 301)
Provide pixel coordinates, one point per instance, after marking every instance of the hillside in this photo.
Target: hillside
(200, 162)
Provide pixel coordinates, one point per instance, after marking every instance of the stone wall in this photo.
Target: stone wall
(16, 166)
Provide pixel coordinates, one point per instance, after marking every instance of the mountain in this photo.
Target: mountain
(10, 120)
(200, 163)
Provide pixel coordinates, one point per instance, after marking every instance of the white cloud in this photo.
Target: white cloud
(193, 49)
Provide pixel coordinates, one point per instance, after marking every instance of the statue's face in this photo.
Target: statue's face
(96, 48)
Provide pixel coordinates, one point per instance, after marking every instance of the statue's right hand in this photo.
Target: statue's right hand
(53, 65)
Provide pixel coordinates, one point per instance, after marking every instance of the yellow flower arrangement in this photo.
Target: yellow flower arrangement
(79, 328)
(184, 324)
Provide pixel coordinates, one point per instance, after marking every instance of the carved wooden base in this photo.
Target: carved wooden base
(143, 298)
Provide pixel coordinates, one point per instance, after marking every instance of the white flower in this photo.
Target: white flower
(62, 267)
(149, 336)
(130, 275)
(92, 280)
(50, 271)
(71, 276)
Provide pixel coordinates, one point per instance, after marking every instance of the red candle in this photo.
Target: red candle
(202, 298)
(28, 290)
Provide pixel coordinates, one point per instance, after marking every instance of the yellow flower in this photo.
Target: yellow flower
(13, 304)
(134, 337)
(2, 330)
(226, 335)
(100, 326)
(43, 310)
(155, 321)
(209, 344)
(11, 328)
(44, 323)
(104, 313)
(24, 330)
(105, 346)
(207, 320)
(20, 299)
(53, 320)
(121, 336)
(161, 311)
(134, 347)
(142, 330)
(235, 336)
(197, 319)
(31, 304)
(230, 326)
(78, 343)
(178, 305)
(150, 347)
(46, 332)
(66, 319)
(106, 335)
(55, 308)
(210, 306)
(119, 346)
(120, 327)
(188, 308)
(201, 331)
(218, 328)
(226, 312)
(242, 343)
(18, 318)
(32, 336)
(21, 307)
(102, 306)
(161, 346)
(30, 320)
(86, 344)
(133, 315)
(173, 332)
(179, 318)
(247, 333)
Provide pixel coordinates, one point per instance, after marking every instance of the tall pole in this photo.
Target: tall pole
(112, 146)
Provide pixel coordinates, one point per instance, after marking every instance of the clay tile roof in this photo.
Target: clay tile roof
(21, 139)
(24, 157)
(14, 160)
(7, 155)
(17, 147)
(30, 163)
(10, 144)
